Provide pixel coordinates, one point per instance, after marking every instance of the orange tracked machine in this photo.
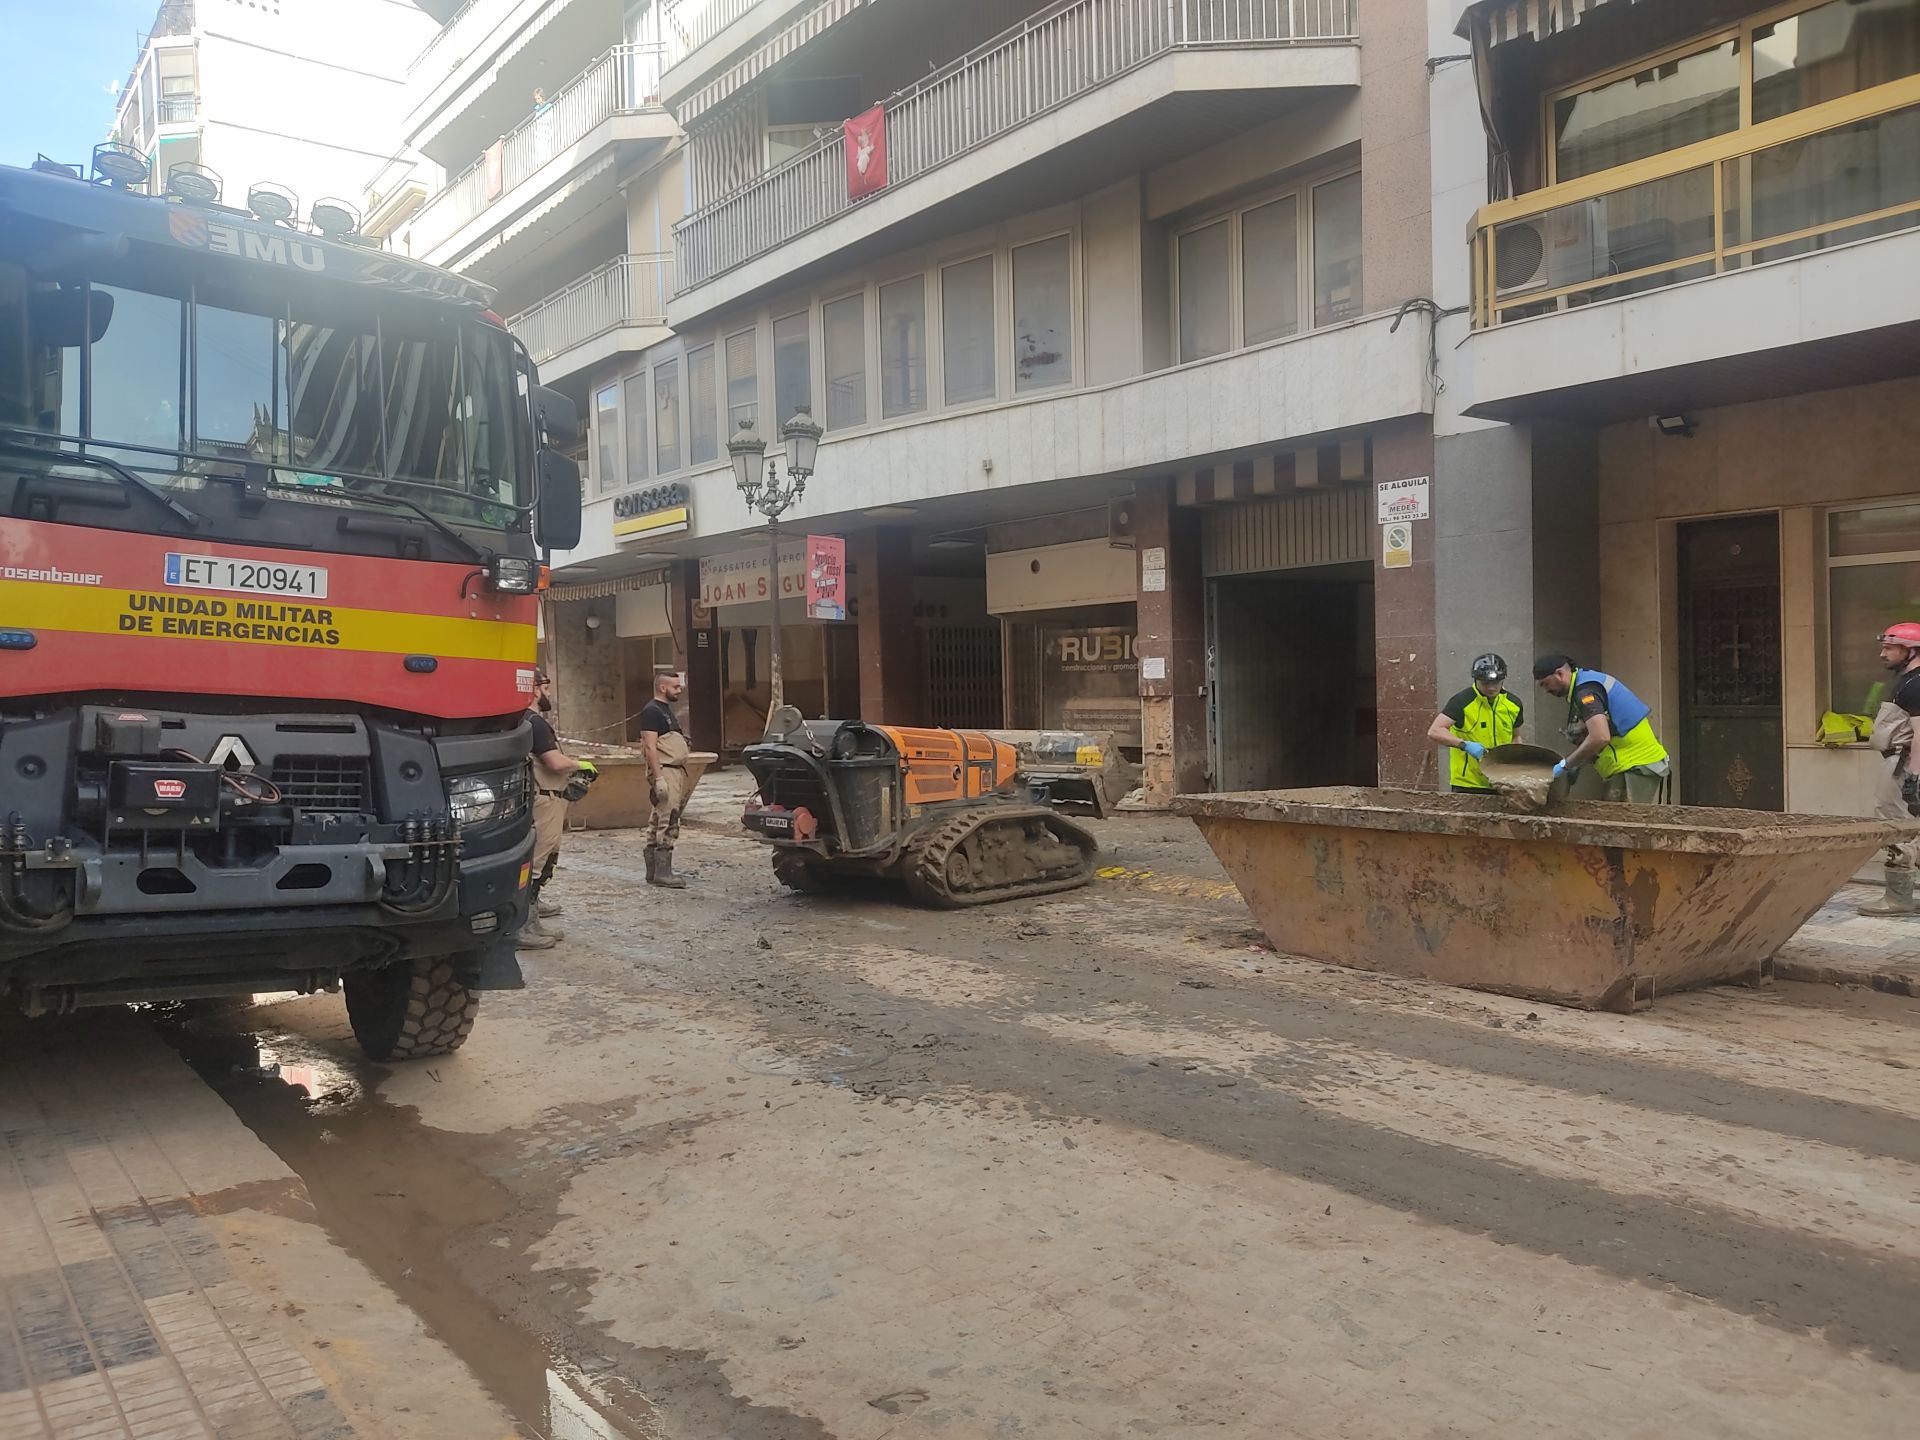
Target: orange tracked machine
(946, 811)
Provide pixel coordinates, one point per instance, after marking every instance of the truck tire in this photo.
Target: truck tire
(411, 1009)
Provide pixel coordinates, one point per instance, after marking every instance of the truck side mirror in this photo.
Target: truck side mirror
(60, 317)
(557, 509)
(556, 421)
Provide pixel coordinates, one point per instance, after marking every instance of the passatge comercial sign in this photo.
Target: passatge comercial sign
(740, 576)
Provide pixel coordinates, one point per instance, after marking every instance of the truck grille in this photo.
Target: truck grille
(330, 783)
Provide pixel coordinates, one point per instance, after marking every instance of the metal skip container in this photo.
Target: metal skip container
(1595, 905)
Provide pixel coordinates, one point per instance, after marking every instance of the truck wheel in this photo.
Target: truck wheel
(412, 1008)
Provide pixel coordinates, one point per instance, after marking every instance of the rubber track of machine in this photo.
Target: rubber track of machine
(925, 870)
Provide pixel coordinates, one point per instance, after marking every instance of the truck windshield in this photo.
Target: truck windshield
(418, 399)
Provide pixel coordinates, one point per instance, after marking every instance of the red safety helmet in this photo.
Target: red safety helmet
(1906, 633)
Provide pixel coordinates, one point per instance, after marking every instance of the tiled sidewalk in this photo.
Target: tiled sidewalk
(1840, 946)
(123, 1315)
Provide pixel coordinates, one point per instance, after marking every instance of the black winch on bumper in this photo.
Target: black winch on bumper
(146, 853)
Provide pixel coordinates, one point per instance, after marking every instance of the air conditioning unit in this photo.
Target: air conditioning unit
(1562, 247)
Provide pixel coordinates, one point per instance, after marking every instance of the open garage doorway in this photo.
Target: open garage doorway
(1291, 679)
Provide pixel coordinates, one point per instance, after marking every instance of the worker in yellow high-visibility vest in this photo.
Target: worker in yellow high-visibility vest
(1612, 727)
(1480, 717)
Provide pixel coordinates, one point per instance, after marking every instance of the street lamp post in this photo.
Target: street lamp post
(771, 494)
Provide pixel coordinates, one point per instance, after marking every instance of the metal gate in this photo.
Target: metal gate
(963, 676)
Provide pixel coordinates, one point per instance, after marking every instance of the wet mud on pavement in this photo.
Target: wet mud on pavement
(742, 1163)
(434, 1214)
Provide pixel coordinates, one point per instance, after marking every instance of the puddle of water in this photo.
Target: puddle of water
(398, 1205)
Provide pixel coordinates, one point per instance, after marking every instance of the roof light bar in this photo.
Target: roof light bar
(272, 203)
(193, 183)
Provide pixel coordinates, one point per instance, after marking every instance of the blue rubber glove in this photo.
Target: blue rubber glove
(1559, 769)
(1474, 748)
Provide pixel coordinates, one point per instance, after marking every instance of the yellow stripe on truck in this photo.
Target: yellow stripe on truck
(260, 620)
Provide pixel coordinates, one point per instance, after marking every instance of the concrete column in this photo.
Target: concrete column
(1396, 172)
(699, 659)
(882, 564)
(1484, 559)
(1172, 629)
(1403, 617)
(1518, 543)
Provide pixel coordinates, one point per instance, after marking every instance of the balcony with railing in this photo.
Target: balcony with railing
(691, 26)
(631, 291)
(1824, 176)
(447, 44)
(1038, 67)
(178, 109)
(1740, 252)
(623, 81)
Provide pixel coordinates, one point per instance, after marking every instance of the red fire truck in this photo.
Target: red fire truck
(272, 511)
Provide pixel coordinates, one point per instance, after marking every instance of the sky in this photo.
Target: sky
(64, 61)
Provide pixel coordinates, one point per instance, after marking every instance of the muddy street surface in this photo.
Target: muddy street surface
(739, 1163)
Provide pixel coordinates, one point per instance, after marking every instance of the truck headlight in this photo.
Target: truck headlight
(487, 797)
(512, 575)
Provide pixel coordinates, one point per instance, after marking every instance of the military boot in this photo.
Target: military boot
(1899, 897)
(661, 872)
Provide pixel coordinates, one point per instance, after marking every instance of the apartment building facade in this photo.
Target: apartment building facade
(1682, 391)
(1115, 317)
(303, 94)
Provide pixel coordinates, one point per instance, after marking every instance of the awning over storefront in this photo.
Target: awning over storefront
(599, 589)
(1494, 22)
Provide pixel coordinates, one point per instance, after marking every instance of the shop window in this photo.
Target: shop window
(743, 380)
(1043, 314)
(606, 439)
(637, 408)
(1873, 580)
(1337, 293)
(703, 436)
(843, 333)
(967, 330)
(792, 367)
(666, 416)
(1206, 311)
(1832, 50)
(903, 347)
(1270, 269)
(1666, 105)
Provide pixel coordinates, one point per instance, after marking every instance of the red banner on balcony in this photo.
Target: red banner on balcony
(867, 153)
(496, 154)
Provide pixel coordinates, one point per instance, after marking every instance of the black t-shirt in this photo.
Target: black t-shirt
(545, 742)
(656, 717)
(1906, 691)
(1588, 700)
(1456, 708)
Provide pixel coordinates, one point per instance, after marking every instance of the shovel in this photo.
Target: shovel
(1523, 774)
